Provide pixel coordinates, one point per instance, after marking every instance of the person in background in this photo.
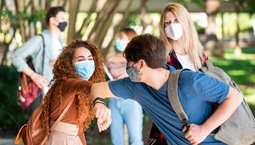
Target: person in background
(43, 50)
(124, 111)
(180, 37)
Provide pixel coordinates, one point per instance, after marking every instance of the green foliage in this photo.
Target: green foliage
(6, 13)
(200, 30)
(133, 20)
(11, 115)
(35, 16)
(246, 5)
(241, 69)
(197, 2)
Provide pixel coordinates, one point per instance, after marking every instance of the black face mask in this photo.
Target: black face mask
(62, 26)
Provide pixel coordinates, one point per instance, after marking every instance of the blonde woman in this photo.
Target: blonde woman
(185, 50)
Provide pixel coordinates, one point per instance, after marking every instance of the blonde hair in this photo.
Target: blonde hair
(191, 42)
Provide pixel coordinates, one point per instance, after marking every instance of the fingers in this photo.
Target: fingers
(185, 129)
(43, 82)
(39, 80)
(188, 134)
(99, 115)
(107, 120)
(192, 134)
(103, 115)
(104, 123)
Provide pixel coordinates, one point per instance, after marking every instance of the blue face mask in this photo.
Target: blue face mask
(85, 69)
(119, 45)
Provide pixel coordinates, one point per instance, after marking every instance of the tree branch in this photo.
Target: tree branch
(118, 27)
(86, 20)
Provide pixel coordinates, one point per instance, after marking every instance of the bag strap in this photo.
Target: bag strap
(61, 116)
(43, 53)
(174, 98)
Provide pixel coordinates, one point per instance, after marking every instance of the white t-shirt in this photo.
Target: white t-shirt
(186, 62)
(57, 48)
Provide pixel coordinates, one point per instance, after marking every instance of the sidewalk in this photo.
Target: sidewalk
(7, 141)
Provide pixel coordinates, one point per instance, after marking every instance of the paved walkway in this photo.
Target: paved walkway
(7, 141)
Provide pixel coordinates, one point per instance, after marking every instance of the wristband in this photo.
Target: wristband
(98, 100)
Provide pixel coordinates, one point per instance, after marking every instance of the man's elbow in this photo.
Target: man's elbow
(236, 96)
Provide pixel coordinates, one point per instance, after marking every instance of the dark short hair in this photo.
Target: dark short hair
(52, 12)
(147, 47)
(131, 33)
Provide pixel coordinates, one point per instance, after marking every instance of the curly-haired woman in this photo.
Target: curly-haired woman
(76, 69)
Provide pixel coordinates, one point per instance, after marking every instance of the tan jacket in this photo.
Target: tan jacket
(81, 111)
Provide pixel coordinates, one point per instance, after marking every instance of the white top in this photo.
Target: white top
(186, 62)
(57, 48)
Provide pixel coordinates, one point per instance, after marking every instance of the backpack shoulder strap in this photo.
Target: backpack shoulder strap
(173, 96)
(41, 35)
(61, 116)
(43, 51)
(59, 119)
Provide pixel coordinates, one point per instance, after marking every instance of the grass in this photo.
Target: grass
(242, 71)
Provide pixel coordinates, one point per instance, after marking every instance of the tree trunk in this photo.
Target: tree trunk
(238, 50)
(212, 45)
(222, 26)
(143, 14)
(73, 11)
(99, 18)
(6, 48)
(118, 27)
(64, 3)
(2, 4)
(47, 4)
(33, 9)
(104, 22)
(86, 20)
(21, 22)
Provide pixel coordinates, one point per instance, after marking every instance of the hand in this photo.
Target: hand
(195, 134)
(103, 115)
(39, 80)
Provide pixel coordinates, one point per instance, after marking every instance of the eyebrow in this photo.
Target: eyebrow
(84, 56)
(80, 57)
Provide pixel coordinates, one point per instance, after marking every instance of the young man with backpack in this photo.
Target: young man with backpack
(148, 83)
(42, 50)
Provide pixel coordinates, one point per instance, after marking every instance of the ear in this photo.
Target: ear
(142, 63)
(53, 20)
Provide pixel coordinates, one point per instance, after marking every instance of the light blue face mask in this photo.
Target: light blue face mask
(85, 69)
(119, 45)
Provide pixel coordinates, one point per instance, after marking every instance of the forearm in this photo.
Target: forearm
(29, 72)
(224, 111)
(101, 90)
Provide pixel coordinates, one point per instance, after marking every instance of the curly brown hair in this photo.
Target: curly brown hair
(64, 71)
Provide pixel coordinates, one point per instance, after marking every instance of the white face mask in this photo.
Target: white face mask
(174, 31)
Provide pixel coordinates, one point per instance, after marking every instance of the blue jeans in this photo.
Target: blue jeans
(129, 112)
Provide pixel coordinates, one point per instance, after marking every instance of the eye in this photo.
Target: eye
(90, 58)
(81, 59)
(167, 23)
